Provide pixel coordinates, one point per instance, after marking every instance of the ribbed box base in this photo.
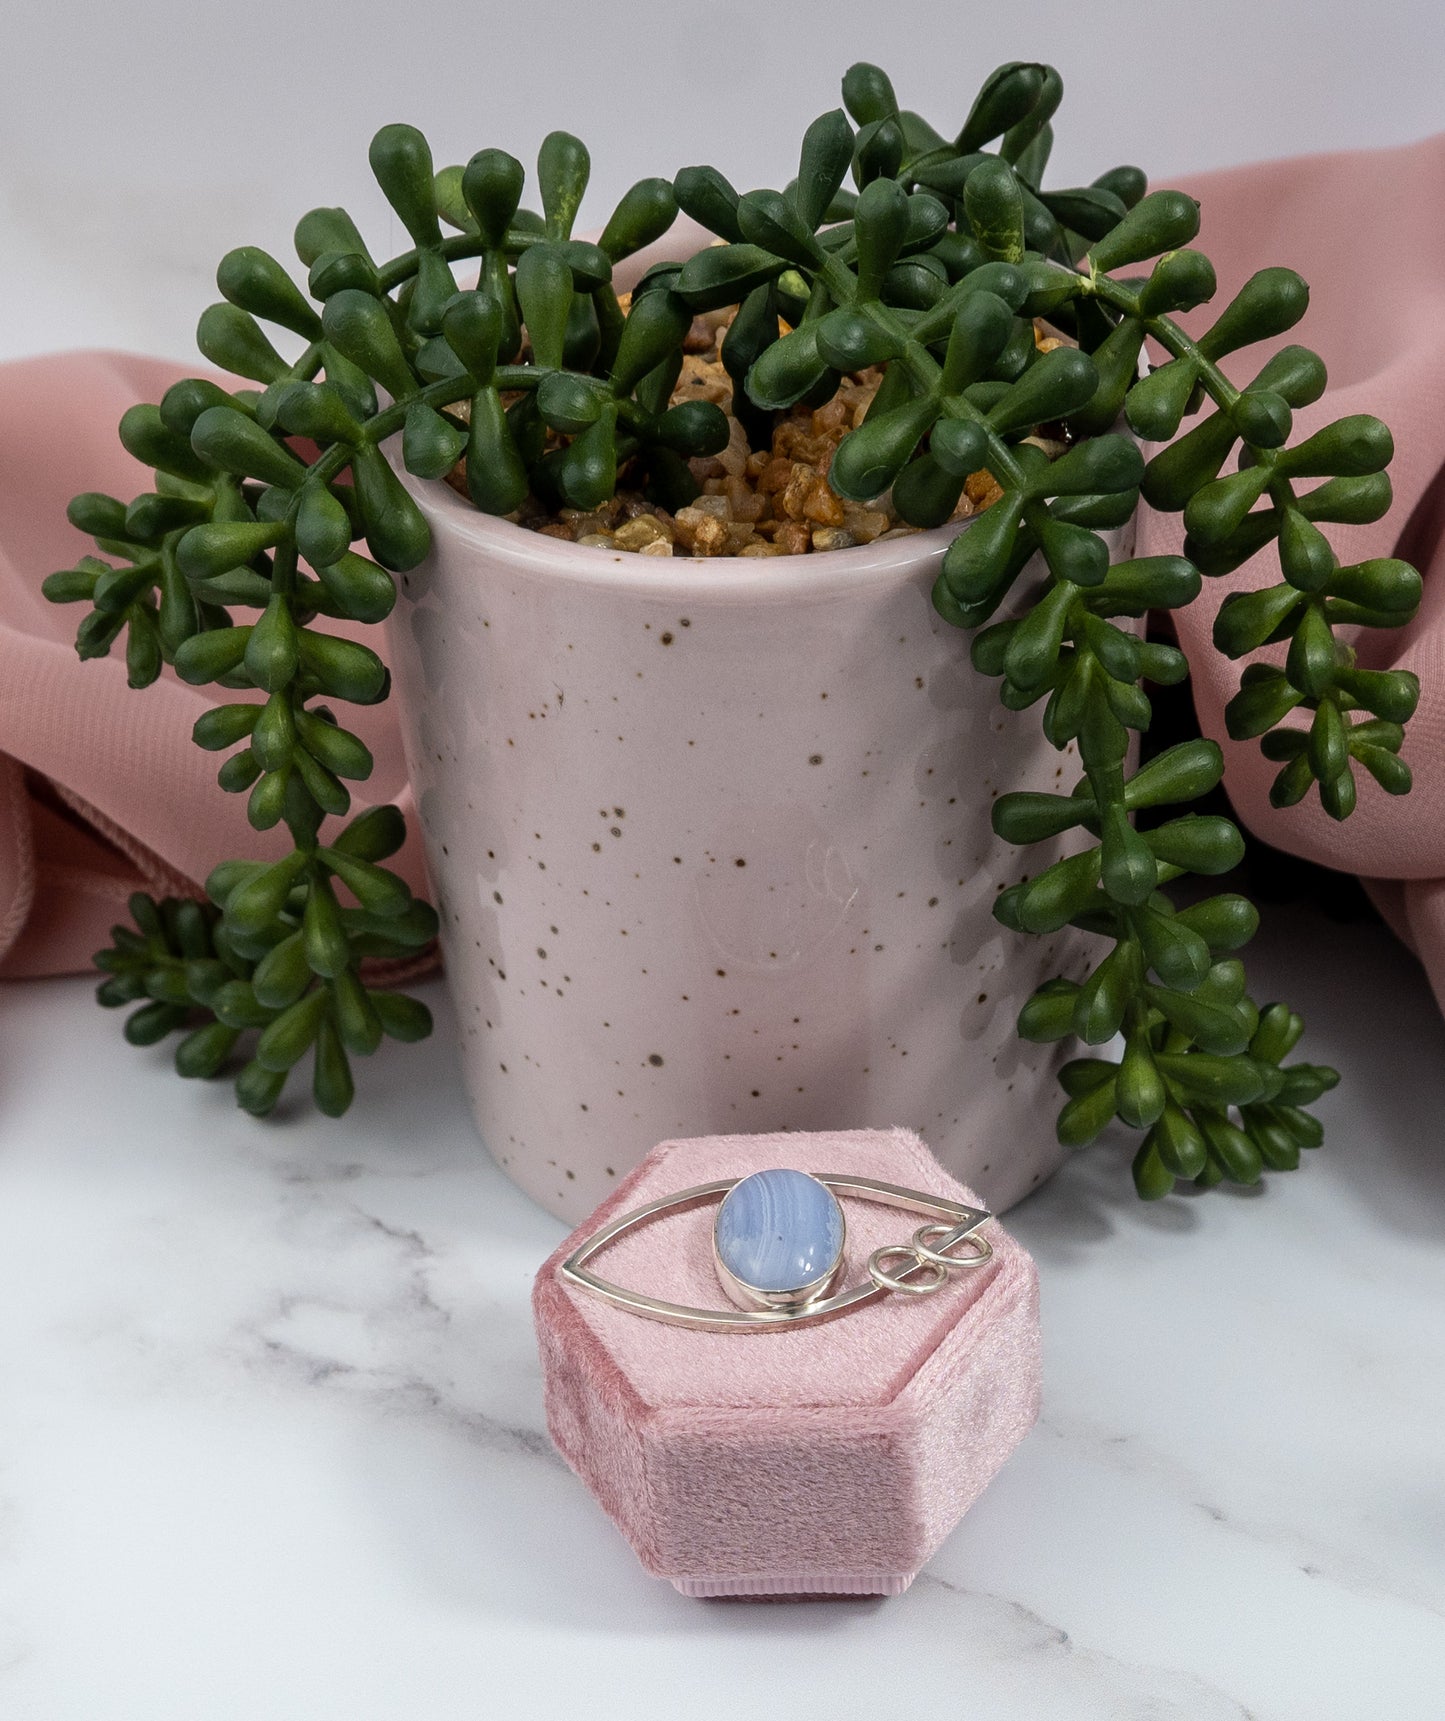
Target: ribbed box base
(798, 1584)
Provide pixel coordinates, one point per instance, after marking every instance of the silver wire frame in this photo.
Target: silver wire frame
(964, 1223)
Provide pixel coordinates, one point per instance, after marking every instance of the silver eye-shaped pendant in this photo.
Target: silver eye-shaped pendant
(778, 1240)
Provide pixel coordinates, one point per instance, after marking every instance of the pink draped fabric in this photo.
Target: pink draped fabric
(102, 790)
(1362, 229)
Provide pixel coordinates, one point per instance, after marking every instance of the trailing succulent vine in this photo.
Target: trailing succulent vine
(935, 266)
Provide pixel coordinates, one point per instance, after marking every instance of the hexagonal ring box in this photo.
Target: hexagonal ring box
(827, 1460)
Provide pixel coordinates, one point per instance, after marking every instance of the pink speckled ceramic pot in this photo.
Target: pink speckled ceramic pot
(712, 849)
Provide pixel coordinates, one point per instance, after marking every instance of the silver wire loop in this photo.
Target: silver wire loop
(907, 1283)
(935, 1243)
(957, 1223)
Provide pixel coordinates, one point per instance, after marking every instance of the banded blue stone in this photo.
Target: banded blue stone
(779, 1231)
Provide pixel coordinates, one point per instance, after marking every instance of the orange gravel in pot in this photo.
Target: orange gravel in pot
(769, 502)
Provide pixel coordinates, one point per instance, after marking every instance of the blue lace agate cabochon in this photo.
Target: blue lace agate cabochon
(779, 1230)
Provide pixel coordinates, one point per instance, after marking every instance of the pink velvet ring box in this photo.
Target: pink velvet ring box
(831, 1460)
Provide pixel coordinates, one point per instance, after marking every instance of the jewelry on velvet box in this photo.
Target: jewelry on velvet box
(778, 1242)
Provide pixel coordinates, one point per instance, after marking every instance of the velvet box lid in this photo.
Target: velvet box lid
(830, 1460)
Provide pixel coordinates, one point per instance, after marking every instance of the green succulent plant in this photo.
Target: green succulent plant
(934, 265)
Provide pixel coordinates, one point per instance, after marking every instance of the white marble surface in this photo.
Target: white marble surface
(271, 1440)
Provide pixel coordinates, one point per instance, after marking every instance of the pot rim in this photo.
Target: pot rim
(822, 575)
